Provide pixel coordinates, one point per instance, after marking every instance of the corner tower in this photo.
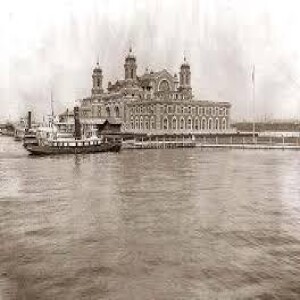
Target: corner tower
(97, 80)
(185, 76)
(130, 66)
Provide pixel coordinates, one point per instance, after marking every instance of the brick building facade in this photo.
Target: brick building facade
(155, 102)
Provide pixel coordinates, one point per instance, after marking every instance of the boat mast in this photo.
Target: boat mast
(52, 109)
(253, 103)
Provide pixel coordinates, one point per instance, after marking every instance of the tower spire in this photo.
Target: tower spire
(130, 66)
(185, 75)
(97, 79)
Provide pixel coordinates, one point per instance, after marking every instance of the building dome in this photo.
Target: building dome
(185, 64)
(130, 55)
(97, 68)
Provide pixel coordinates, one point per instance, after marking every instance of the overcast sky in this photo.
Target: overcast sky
(54, 45)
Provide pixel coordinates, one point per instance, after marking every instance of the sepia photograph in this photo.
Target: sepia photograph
(149, 150)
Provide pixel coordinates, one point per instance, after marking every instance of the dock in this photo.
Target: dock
(250, 146)
(217, 141)
(159, 144)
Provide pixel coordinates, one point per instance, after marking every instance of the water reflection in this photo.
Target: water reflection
(153, 224)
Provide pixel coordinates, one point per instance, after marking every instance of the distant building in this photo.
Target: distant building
(268, 126)
(154, 102)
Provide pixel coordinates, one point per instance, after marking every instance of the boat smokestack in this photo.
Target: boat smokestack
(29, 120)
(77, 123)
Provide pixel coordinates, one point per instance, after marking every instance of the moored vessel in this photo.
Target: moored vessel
(48, 140)
(45, 147)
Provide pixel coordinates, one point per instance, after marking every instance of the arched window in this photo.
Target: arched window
(146, 123)
(141, 123)
(203, 124)
(132, 123)
(117, 112)
(182, 123)
(152, 123)
(210, 124)
(224, 124)
(132, 73)
(217, 125)
(174, 123)
(98, 82)
(137, 123)
(107, 111)
(165, 123)
(189, 124)
(181, 77)
(164, 86)
(196, 123)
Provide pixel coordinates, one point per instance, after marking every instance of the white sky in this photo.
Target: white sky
(55, 44)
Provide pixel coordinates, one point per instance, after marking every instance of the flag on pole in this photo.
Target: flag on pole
(253, 74)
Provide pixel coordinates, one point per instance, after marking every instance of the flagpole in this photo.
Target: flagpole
(253, 103)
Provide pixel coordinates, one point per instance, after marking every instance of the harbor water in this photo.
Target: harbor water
(150, 224)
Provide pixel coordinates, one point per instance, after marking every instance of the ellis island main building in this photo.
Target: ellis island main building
(155, 102)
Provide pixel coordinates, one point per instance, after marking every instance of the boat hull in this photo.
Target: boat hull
(52, 150)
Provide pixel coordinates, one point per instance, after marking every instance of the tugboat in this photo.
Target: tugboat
(47, 141)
